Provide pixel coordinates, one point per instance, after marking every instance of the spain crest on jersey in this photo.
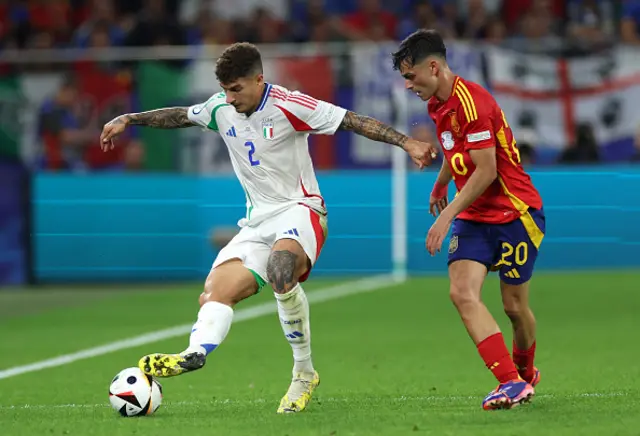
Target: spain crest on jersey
(267, 129)
(453, 244)
(455, 125)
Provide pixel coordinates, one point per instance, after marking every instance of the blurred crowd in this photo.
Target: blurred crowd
(67, 131)
(100, 23)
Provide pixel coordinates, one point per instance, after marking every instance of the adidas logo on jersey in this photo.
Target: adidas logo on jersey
(291, 232)
(232, 132)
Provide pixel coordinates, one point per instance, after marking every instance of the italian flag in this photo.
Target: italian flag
(267, 131)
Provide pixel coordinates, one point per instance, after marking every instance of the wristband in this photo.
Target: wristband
(439, 190)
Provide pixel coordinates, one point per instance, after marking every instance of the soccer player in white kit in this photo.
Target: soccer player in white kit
(265, 128)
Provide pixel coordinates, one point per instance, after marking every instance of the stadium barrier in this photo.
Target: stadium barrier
(159, 227)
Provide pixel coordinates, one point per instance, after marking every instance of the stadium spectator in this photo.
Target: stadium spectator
(154, 26)
(265, 28)
(102, 14)
(514, 11)
(61, 130)
(476, 19)
(584, 149)
(422, 15)
(539, 30)
(370, 21)
(630, 22)
(204, 27)
(496, 32)
(70, 122)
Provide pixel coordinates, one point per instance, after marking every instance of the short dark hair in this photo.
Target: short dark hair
(418, 46)
(238, 60)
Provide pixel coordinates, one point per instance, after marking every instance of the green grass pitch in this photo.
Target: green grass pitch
(396, 360)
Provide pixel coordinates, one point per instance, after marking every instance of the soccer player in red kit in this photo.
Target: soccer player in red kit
(497, 215)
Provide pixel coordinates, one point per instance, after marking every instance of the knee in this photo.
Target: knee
(514, 307)
(282, 270)
(209, 295)
(227, 299)
(463, 295)
(207, 292)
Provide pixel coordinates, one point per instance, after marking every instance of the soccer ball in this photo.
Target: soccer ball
(133, 393)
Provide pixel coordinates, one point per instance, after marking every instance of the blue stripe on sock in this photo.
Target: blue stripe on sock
(208, 348)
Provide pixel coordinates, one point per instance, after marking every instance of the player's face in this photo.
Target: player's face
(245, 93)
(421, 78)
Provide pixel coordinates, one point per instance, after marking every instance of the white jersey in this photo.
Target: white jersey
(269, 150)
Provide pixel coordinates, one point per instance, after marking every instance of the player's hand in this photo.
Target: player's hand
(421, 153)
(437, 205)
(437, 233)
(111, 130)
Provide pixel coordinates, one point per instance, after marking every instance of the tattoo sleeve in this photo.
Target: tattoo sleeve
(372, 129)
(167, 118)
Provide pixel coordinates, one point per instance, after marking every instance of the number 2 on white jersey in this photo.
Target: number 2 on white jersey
(252, 149)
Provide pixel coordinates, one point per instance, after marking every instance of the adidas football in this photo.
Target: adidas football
(133, 393)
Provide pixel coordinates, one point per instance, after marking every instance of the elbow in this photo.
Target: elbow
(490, 174)
(493, 174)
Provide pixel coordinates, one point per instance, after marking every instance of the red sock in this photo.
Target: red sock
(523, 360)
(496, 356)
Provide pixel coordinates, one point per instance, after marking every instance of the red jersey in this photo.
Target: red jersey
(470, 120)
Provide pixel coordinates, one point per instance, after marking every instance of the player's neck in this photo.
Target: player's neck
(255, 108)
(446, 85)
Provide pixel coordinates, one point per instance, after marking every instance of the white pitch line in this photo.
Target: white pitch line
(402, 399)
(321, 295)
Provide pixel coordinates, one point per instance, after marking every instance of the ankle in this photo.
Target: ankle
(303, 366)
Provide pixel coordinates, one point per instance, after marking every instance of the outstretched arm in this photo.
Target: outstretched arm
(166, 118)
(372, 129)
(420, 152)
(310, 115)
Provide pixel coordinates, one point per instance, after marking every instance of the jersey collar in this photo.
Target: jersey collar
(265, 96)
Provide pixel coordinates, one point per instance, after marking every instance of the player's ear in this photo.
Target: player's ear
(260, 78)
(435, 67)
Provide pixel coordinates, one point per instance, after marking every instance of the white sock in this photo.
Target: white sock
(212, 326)
(293, 310)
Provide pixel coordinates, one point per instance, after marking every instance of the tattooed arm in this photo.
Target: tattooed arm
(421, 153)
(167, 118)
(373, 129)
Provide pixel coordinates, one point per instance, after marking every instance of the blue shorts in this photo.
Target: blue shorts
(510, 248)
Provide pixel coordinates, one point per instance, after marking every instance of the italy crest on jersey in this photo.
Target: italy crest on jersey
(267, 129)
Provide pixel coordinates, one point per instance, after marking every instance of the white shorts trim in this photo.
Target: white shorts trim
(252, 245)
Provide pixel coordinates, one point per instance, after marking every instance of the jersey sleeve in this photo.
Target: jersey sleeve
(204, 114)
(477, 112)
(306, 114)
